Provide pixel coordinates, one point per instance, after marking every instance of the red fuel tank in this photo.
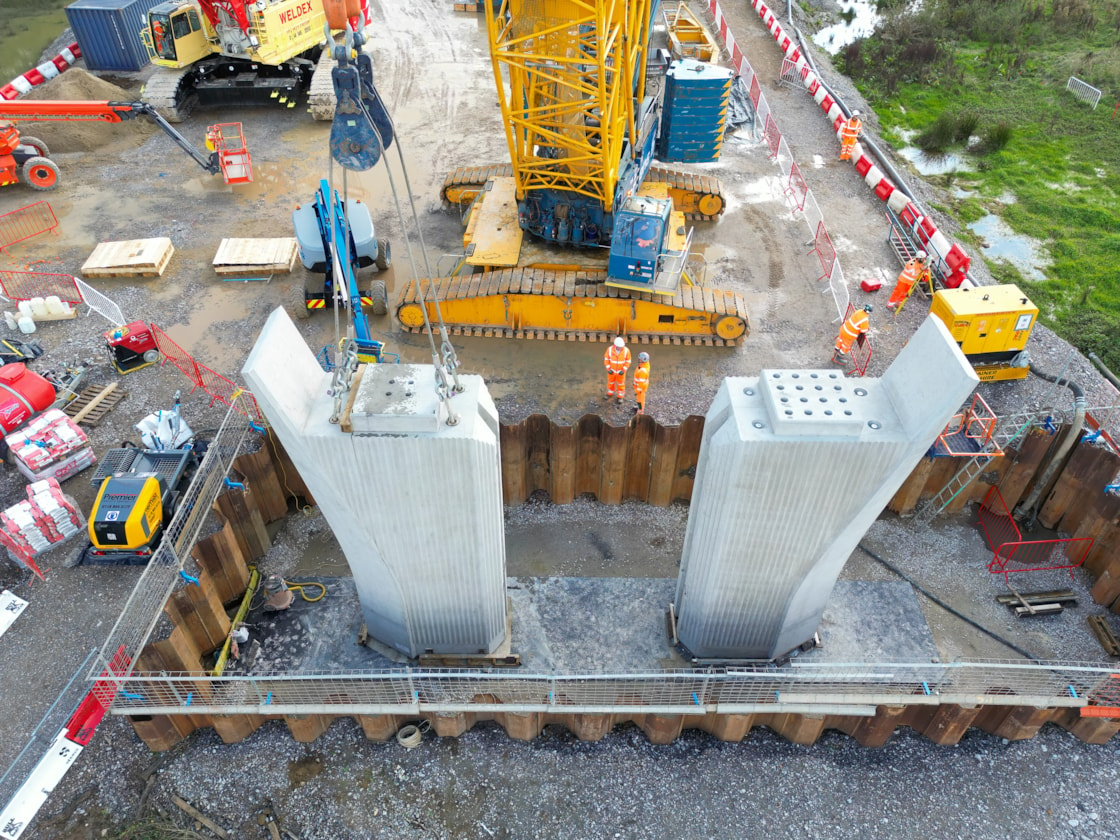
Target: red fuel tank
(23, 394)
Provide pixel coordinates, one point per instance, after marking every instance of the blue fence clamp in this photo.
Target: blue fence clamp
(1091, 437)
(1112, 488)
(234, 485)
(190, 697)
(1048, 424)
(925, 687)
(256, 427)
(777, 696)
(268, 699)
(1072, 691)
(130, 696)
(695, 699)
(188, 578)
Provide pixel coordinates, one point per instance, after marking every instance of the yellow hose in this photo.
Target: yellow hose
(298, 587)
(242, 611)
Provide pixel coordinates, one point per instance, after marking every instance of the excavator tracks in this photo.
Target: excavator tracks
(574, 306)
(164, 91)
(699, 197)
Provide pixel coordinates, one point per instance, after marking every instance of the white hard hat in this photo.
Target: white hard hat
(618, 342)
(922, 255)
(855, 113)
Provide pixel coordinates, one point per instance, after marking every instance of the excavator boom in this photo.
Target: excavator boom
(227, 154)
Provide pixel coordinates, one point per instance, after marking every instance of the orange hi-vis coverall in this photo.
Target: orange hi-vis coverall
(641, 385)
(914, 272)
(857, 324)
(849, 132)
(617, 362)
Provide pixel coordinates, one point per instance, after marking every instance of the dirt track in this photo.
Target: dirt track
(434, 74)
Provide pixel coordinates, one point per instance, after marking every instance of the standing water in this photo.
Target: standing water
(859, 19)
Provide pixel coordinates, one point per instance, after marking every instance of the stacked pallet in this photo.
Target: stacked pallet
(51, 446)
(47, 518)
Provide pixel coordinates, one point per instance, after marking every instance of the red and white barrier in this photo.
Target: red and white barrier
(956, 262)
(37, 75)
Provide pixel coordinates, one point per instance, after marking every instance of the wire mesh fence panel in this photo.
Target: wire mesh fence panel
(825, 251)
(24, 285)
(41, 737)
(99, 303)
(166, 569)
(1084, 92)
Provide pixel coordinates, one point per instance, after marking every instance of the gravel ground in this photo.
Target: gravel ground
(432, 71)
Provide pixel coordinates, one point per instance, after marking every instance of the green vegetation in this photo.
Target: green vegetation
(988, 80)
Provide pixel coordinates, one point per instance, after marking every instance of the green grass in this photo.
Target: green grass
(998, 71)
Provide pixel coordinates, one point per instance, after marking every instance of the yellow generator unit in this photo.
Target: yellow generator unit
(991, 324)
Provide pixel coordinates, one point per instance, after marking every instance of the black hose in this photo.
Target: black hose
(1027, 510)
(1103, 368)
(946, 607)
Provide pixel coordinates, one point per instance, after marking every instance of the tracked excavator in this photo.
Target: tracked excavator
(223, 52)
(580, 127)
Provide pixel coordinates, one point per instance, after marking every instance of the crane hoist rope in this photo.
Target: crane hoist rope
(360, 134)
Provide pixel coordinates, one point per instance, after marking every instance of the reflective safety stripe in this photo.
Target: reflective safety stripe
(316, 304)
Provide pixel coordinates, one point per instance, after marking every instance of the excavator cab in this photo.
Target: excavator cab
(174, 35)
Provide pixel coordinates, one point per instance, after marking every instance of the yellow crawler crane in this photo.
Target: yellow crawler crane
(580, 128)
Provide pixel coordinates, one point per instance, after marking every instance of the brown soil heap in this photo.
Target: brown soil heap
(85, 135)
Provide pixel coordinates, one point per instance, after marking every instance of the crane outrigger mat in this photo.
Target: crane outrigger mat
(130, 258)
(238, 256)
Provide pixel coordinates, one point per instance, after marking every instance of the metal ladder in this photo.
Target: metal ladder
(1008, 429)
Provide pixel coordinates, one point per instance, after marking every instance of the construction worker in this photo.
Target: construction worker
(914, 272)
(849, 132)
(641, 381)
(617, 362)
(858, 323)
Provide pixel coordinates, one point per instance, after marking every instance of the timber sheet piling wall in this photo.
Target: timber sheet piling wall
(647, 462)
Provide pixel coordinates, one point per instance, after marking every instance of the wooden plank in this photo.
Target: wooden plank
(908, 494)
(616, 440)
(639, 458)
(663, 464)
(538, 435)
(344, 422)
(201, 817)
(92, 402)
(563, 453)
(237, 256)
(589, 458)
(513, 463)
(129, 258)
(1089, 470)
(688, 454)
(1017, 482)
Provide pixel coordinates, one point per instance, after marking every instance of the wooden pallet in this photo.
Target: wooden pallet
(131, 258)
(269, 256)
(1105, 635)
(93, 403)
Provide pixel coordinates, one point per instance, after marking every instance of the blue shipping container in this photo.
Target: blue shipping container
(108, 31)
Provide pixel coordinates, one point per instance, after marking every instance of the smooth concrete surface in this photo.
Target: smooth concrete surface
(794, 467)
(415, 503)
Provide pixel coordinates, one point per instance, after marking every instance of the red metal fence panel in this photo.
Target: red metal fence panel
(796, 188)
(24, 285)
(756, 91)
(825, 251)
(219, 387)
(25, 223)
(1011, 553)
(179, 357)
(772, 136)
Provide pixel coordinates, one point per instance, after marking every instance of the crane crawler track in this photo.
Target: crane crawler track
(574, 306)
(699, 197)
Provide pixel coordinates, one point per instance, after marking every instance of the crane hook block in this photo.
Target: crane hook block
(353, 142)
